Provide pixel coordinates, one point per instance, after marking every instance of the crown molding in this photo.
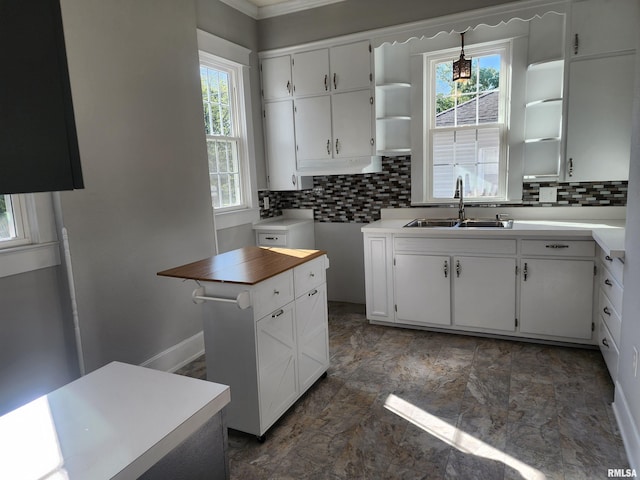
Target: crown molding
(290, 6)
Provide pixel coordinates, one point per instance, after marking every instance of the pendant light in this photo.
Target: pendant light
(462, 67)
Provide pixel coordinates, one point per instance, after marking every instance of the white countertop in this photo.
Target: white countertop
(281, 223)
(115, 422)
(609, 233)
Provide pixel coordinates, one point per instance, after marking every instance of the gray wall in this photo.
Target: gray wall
(353, 16)
(146, 206)
(630, 334)
(37, 352)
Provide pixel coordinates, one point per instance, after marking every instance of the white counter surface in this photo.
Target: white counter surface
(115, 422)
(609, 234)
(281, 223)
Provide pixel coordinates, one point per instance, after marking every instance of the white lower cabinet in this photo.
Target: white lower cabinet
(556, 297)
(312, 335)
(485, 292)
(471, 284)
(423, 289)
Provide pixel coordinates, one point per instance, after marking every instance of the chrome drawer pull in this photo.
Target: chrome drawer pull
(608, 258)
(608, 282)
(557, 245)
(446, 269)
(607, 311)
(605, 343)
(277, 314)
(276, 292)
(311, 274)
(311, 294)
(270, 238)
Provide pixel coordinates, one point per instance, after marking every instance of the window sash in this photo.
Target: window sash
(225, 151)
(14, 229)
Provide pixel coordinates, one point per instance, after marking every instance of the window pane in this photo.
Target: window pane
(7, 224)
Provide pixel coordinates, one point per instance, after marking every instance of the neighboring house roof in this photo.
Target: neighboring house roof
(488, 111)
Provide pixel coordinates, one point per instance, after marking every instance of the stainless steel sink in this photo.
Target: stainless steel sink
(433, 222)
(485, 223)
(454, 222)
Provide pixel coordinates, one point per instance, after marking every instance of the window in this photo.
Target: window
(13, 228)
(223, 127)
(467, 124)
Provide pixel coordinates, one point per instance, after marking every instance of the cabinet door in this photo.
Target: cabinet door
(276, 77)
(311, 72)
(277, 366)
(599, 119)
(484, 292)
(351, 66)
(556, 297)
(422, 289)
(352, 124)
(312, 331)
(378, 277)
(280, 145)
(313, 128)
(603, 26)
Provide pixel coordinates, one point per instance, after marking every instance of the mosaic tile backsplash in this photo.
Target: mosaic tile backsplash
(359, 198)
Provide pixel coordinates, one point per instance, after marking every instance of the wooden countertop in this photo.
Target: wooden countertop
(248, 265)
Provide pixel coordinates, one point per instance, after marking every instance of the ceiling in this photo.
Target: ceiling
(271, 8)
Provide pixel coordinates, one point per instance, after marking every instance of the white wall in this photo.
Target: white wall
(627, 402)
(146, 206)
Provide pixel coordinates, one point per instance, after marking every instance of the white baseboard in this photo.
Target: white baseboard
(627, 427)
(177, 356)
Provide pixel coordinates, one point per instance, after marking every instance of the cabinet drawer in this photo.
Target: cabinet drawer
(614, 265)
(452, 246)
(609, 349)
(559, 248)
(272, 294)
(611, 288)
(309, 275)
(272, 239)
(610, 316)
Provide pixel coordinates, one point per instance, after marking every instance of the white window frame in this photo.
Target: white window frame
(431, 59)
(19, 223)
(220, 52)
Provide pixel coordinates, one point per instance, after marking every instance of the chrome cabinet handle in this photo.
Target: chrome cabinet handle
(608, 282)
(328, 147)
(337, 146)
(311, 274)
(556, 245)
(607, 311)
(576, 44)
(289, 87)
(525, 272)
(458, 268)
(608, 258)
(271, 238)
(311, 294)
(446, 269)
(335, 81)
(293, 179)
(570, 169)
(605, 343)
(276, 292)
(277, 314)
(326, 82)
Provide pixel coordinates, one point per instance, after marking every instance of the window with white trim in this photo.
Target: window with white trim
(467, 124)
(223, 121)
(14, 228)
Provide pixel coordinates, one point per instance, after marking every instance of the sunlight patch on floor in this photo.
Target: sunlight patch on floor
(457, 438)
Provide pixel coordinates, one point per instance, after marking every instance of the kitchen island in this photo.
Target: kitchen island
(265, 327)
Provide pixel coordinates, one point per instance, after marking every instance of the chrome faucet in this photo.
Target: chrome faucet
(459, 194)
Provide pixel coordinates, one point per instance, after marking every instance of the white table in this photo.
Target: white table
(116, 422)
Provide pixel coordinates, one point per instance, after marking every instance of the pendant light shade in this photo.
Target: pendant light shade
(462, 67)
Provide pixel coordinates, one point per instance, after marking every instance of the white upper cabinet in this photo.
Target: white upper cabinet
(599, 120)
(351, 66)
(311, 72)
(603, 26)
(352, 124)
(276, 78)
(313, 128)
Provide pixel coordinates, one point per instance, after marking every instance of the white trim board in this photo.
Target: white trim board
(177, 356)
(290, 6)
(627, 427)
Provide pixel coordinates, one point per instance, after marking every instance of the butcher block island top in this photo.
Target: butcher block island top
(247, 265)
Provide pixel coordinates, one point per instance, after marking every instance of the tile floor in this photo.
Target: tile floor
(410, 404)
